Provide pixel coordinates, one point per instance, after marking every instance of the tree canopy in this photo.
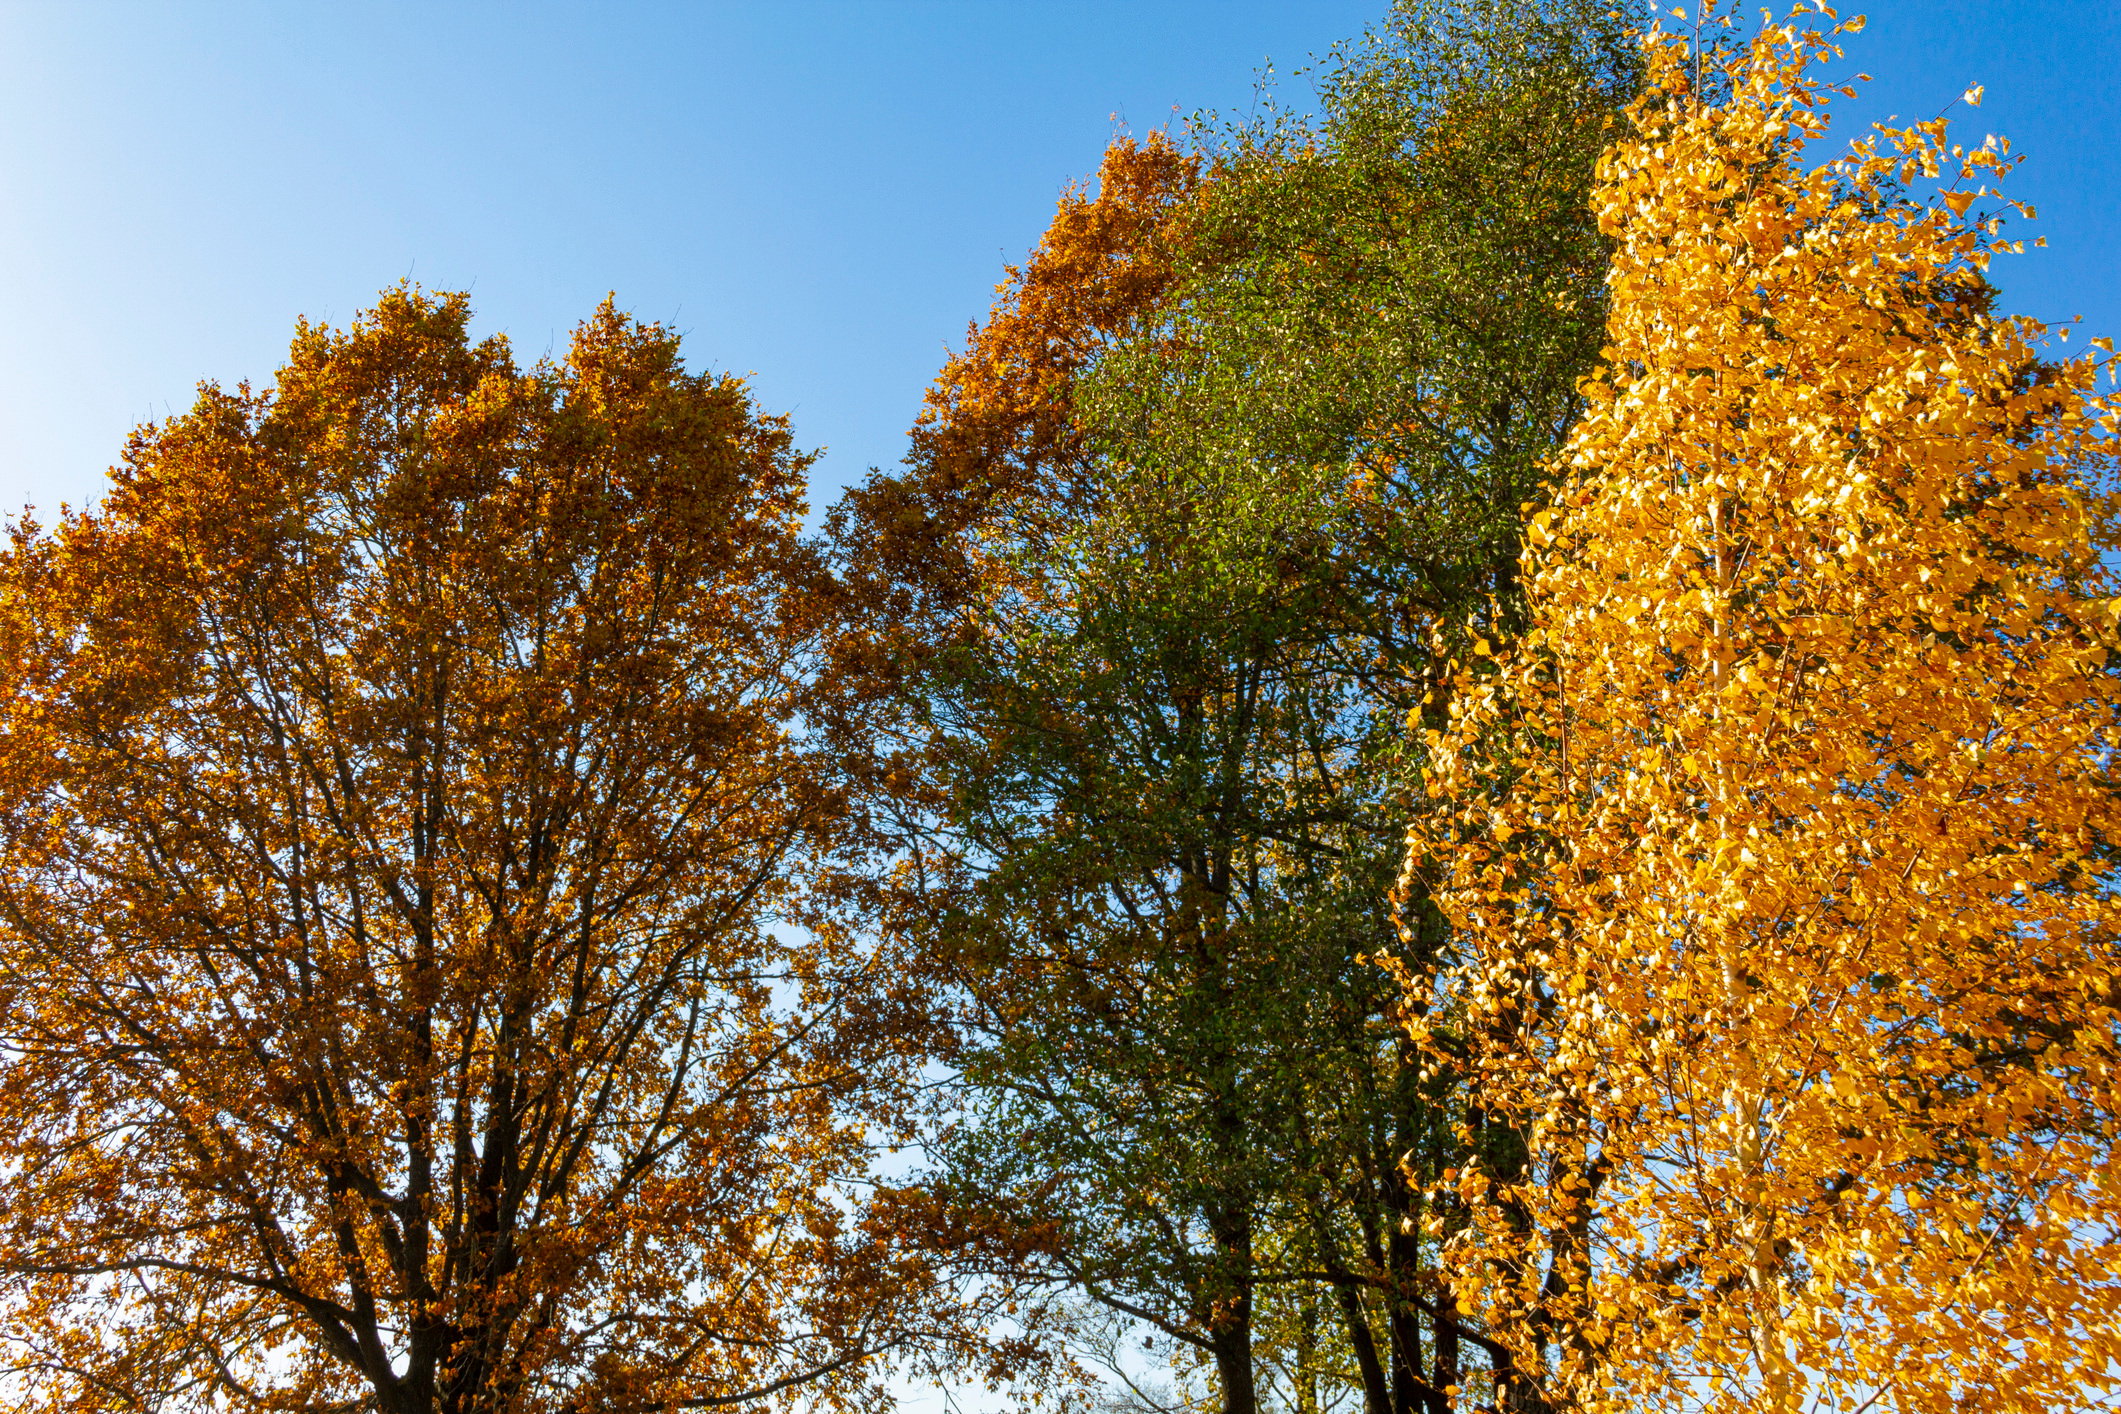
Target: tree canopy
(401, 818)
(1249, 434)
(1470, 767)
(1780, 848)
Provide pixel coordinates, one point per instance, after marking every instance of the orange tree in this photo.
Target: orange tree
(402, 810)
(1782, 849)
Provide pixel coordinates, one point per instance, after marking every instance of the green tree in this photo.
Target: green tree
(1151, 751)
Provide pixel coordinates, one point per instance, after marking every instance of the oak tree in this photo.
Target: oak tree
(406, 817)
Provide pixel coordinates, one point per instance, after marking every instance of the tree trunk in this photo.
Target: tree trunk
(1307, 1354)
(1441, 1399)
(1230, 1321)
(1233, 1366)
(1408, 1383)
(1376, 1395)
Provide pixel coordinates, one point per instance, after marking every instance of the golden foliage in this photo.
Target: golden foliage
(1102, 263)
(997, 448)
(997, 460)
(398, 804)
(1782, 849)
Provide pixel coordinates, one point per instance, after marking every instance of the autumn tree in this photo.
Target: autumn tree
(1783, 848)
(1248, 427)
(1385, 320)
(405, 810)
(934, 558)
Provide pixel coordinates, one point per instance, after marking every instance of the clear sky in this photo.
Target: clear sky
(821, 192)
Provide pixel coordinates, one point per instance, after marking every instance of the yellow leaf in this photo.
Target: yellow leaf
(1810, 739)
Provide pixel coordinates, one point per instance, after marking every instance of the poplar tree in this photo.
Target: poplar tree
(1781, 848)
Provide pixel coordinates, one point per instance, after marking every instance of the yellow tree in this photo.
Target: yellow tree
(1783, 851)
(401, 792)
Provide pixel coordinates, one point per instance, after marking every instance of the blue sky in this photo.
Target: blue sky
(821, 192)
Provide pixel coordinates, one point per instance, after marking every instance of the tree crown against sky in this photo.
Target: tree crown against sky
(479, 884)
(1164, 567)
(404, 812)
(793, 186)
(1781, 848)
